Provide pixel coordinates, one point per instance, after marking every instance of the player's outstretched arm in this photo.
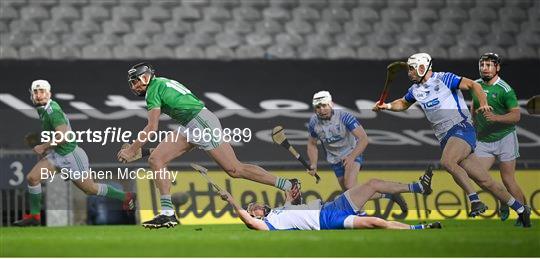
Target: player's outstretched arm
(250, 222)
(476, 88)
(397, 105)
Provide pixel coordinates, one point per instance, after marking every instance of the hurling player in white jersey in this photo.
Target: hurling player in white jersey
(344, 141)
(341, 213)
(439, 95)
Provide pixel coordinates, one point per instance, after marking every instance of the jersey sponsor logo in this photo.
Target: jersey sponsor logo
(431, 103)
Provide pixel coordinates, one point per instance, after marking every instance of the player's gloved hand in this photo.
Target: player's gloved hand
(125, 154)
(313, 170)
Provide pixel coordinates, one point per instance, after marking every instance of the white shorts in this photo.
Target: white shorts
(506, 149)
(76, 161)
(207, 124)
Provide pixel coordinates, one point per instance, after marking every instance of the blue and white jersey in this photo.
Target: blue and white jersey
(335, 134)
(442, 101)
(295, 217)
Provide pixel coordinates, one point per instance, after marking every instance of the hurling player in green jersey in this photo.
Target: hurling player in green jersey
(63, 155)
(172, 98)
(496, 131)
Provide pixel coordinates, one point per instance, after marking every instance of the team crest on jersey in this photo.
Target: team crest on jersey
(494, 95)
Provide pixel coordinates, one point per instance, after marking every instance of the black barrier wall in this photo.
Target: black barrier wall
(249, 94)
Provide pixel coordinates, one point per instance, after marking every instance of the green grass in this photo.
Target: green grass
(458, 238)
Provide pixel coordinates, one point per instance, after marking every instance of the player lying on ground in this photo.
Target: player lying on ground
(172, 98)
(439, 95)
(338, 214)
(496, 130)
(344, 140)
(61, 155)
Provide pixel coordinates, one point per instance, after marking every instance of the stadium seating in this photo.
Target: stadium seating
(279, 28)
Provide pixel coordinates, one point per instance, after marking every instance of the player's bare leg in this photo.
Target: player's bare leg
(486, 163)
(35, 194)
(484, 180)
(226, 158)
(173, 147)
(508, 176)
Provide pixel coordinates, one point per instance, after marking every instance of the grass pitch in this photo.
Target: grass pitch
(457, 238)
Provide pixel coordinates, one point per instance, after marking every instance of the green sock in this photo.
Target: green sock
(110, 192)
(35, 199)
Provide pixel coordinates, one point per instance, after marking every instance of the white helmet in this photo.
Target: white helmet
(40, 84)
(420, 59)
(322, 97)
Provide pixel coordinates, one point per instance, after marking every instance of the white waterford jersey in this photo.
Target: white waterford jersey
(295, 217)
(442, 101)
(335, 134)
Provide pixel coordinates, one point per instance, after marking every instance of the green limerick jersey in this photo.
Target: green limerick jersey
(52, 116)
(502, 98)
(173, 98)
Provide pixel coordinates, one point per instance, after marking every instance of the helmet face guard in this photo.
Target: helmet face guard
(135, 73)
(39, 85)
(493, 57)
(253, 206)
(416, 61)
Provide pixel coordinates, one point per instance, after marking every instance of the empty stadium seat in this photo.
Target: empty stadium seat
(465, 4)
(158, 51)
(268, 26)
(249, 51)
(365, 14)
(528, 38)
(74, 3)
(8, 52)
(228, 40)
(27, 26)
(534, 13)
(394, 15)
(198, 39)
(500, 38)
(95, 12)
(127, 52)
(207, 26)
(357, 27)
(306, 13)
(486, 14)
(402, 4)
(521, 51)
(19, 3)
(311, 52)
(298, 27)
(258, 39)
(347, 4)
(177, 26)
(65, 12)
(440, 39)
(348, 39)
(136, 39)
(34, 12)
(126, 13)
(474, 26)
(512, 13)
(317, 4)
(276, 13)
(381, 39)
(65, 52)
(106, 39)
(432, 4)
(492, 48)
(168, 39)
(254, 3)
(156, 13)
(491, 4)
(15, 39)
(505, 26)
(290, 39)
(44, 39)
(424, 14)
(189, 52)
(371, 52)
(226, 3)
(321, 40)
(134, 3)
(186, 13)
(376, 4)
(335, 13)
(446, 26)
(462, 52)
(216, 13)
(434, 51)
(331, 27)
(96, 52)
(86, 26)
(416, 27)
(531, 26)
(109, 3)
(8, 13)
(76, 39)
(246, 13)
(55, 26)
(411, 39)
(238, 26)
(341, 52)
(387, 27)
(3, 27)
(34, 52)
(455, 14)
(147, 27)
(470, 39)
(280, 51)
(400, 52)
(217, 52)
(116, 26)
